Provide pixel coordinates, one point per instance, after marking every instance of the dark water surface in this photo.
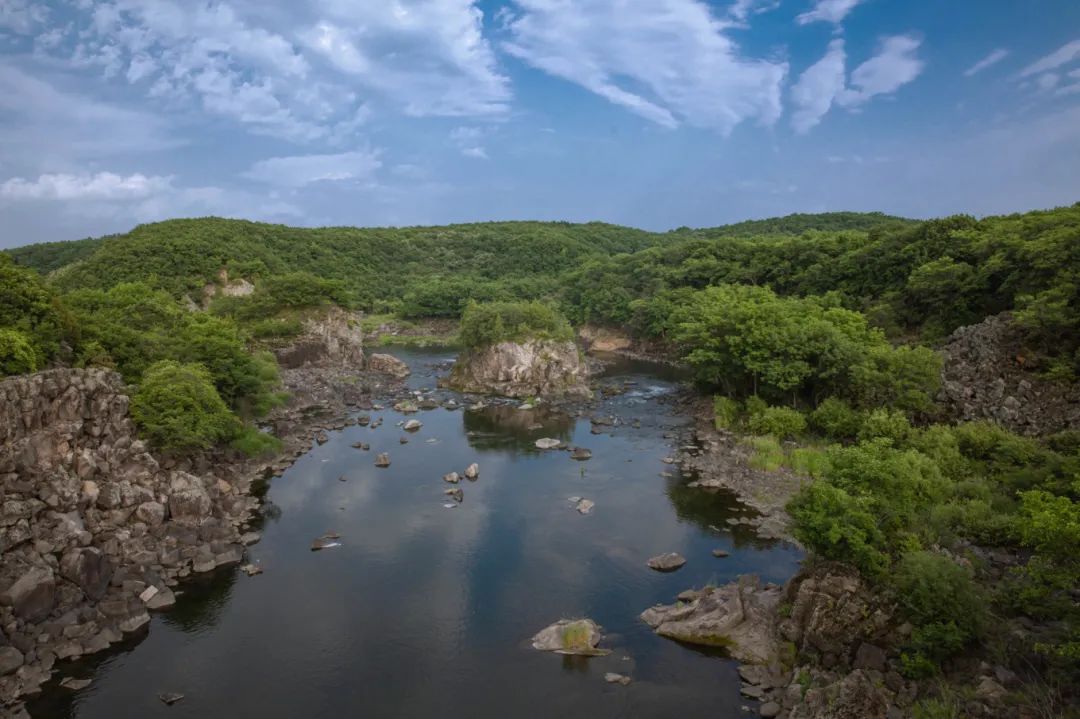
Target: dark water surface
(427, 611)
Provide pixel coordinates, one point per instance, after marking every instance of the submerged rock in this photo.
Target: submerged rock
(406, 407)
(73, 684)
(251, 569)
(570, 636)
(170, 698)
(738, 616)
(720, 553)
(585, 506)
(613, 678)
(456, 493)
(534, 368)
(667, 562)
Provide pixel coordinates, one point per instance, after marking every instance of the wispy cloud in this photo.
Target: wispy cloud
(468, 141)
(1064, 55)
(101, 186)
(818, 87)
(833, 11)
(990, 60)
(669, 61)
(301, 170)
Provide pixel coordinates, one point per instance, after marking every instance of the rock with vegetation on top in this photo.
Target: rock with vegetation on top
(388, 364)
(570, 636)
(531, 368)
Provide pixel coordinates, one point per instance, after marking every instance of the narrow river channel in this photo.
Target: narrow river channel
(425, 610)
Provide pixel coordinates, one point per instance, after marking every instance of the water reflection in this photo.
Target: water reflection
(425, 610)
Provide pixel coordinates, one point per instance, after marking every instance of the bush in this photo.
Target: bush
(839, 526)
(17, 355)
(809, 461)
(725, 411)
(178, 408)
(255, 443)
(943, 603)
(782, 422)
(755, 405)
(483, 325)
(885, 423)
(835, 419)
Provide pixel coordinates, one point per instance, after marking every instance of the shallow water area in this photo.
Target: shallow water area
(427, 609)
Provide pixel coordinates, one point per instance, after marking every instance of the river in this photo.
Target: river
(425, 610)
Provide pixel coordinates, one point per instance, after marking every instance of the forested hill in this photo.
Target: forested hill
(797, 224)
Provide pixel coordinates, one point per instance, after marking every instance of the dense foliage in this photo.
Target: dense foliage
(177, 407)
(486, 324)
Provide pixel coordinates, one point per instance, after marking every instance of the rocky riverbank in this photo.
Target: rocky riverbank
(97, 530)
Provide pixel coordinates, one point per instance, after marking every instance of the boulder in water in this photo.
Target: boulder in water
(382, 460)
(570, 636)
(548, 443)
(667, 562)
(388, 364)
(533, 368)
(472, 471)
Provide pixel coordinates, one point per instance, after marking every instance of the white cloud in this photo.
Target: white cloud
(468, 140)
(818, 87)
(992, 59)
(430, 56)
(1065, 54)
(895, 65)
(102, 186)
(300, 170)
(666, 60)
(740, 10)
(22, 16)
(833, 11)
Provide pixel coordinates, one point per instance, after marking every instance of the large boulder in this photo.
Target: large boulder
(32, 595)
(533, 368)
(738, 617)
(89, 568)
(570, 636)
(388, 364)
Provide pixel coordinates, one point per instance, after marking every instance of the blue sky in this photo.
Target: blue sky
(652, 113)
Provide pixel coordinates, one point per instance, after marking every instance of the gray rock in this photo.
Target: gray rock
(720, 553)
(870, 656)
(32, 595)
(548, 443)
(472, 471)
(667, 562)
(770, 709)
(388, 364)
(580, 454)
(614, 678)
(533, 368)
(584, 506)
(382, 460)
(452, 477)
(73, 684)
(10, 660)
(413, 425)
(89, 568)
(570, 636)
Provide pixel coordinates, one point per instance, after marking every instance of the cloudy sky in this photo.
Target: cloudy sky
(653, 113)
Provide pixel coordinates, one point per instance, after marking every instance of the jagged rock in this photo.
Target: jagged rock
(570, 636)
(89, 568)
(831, 611)
(10, 660)
(853, 697)
(667, 562)
(869, 656)
(332, 339)
(388, 364)
(534, 368)
(151, 513)
(32, 595)
(382, 460)
(584, 506)
(472, 471)
(737, 616)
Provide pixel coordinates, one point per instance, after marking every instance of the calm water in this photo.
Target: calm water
(427, 611)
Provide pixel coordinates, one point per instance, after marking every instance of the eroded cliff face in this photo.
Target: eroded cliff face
(332, 339)
(535, 368)
(986, 376)
(94, 528)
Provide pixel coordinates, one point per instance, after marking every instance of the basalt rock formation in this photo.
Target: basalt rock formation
(95, 529)
(533, 368)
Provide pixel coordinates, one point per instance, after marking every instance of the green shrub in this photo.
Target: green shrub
(755, 405)
(255, 443)
(885, 423)
(725, 411)
(942, 601)
(177, 407)
(809, 461)
(835, 419)
(767, 453)
(782, 422)
(839, 526)
(17, 355)
(483, 325)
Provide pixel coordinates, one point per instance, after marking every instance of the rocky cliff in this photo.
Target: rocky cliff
(987, 375)
(94, 528)
(330, 339)
(535, 368)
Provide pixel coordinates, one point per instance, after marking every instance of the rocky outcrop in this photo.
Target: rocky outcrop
(739, 617)
(604, 339)
(388, 364)
(91, 521)
(988, 375)
(224, 287)
(534, 368)
(331, 339)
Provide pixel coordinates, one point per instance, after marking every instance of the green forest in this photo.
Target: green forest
(815, 335)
